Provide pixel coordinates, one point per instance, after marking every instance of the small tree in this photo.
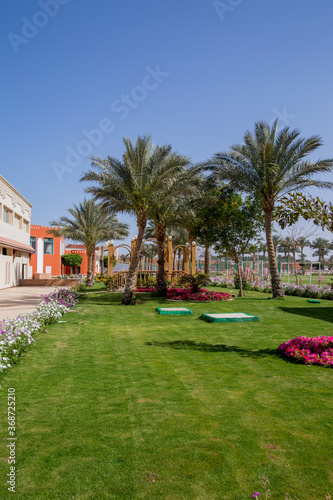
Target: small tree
(71, 260)
(233, 223)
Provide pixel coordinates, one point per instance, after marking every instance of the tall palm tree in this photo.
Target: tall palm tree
(269, 165)
(322, 247)
(167, 206)
(90, 224)
(129, 186)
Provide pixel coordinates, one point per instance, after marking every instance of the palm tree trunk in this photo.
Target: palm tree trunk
(161, 283)
(129, 285)
(277, 287)
(207, 260)
(90, 275)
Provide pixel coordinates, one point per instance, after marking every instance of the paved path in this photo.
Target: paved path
(21, 299)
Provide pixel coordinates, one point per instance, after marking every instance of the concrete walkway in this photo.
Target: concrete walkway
(21, 299)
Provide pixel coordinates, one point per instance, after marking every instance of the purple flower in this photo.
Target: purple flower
(256, 494)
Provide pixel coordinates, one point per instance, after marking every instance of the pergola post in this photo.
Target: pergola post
(187, 259)
(110, 258)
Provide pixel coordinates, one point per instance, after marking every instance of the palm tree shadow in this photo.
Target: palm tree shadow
(205, 347)
(323, 313)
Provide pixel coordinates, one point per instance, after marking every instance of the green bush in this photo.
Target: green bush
(71, 259)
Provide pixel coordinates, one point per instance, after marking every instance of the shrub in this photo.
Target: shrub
(71, 259)
(194, 281)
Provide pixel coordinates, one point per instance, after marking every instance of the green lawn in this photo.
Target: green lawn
(122, 403)
(327, 279)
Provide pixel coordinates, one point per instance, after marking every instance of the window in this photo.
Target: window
(7, 215)
(33, 242)
(48, 246)
(18, 221)
(4, 251)
(26, 225)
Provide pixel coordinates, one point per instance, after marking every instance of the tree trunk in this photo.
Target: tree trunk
(277, 287)
(240, 279)
(129, 285)
(295, 267)
(161, 283)
(90, 274)
(207, 270)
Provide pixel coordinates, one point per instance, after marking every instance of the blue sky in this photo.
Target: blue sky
(195, 74)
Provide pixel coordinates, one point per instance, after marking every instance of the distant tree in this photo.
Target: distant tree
(303, 242)
(90, 224)
(270, 165)
(322, 247)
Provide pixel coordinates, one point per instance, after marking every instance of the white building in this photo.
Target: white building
(15, 249)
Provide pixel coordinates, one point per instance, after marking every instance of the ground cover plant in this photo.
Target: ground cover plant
(202, 295)
(18, 333)
(311, 351)
(120, 402)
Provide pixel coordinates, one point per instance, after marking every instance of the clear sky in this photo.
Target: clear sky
(196, 74)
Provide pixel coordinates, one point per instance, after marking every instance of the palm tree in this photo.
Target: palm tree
(269, 165)
(90, 224)
(149, 251)
(167, 206)
(303, 242)
(277, 239)
(130, 185)
(322, 247)
(285, 246)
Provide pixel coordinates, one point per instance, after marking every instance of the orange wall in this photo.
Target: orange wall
(49, 260)
(81, 250)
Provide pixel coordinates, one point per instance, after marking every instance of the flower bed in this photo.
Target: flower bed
(140, 289)
(310, 351)
(16, 334)
(202, 295)
(309, 291)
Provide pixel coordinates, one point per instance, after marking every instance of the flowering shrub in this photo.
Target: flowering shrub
(226, 280)
(16, 334)
(202, 295)
(249, 279)
(310, 351)
(63, 296)
(309, 291)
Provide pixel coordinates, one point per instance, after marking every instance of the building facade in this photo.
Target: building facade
(15, 249)
(49, 249)
(48, 252)
(81, 250)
